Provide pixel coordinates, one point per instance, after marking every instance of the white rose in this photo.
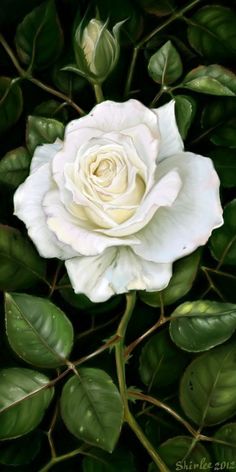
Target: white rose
(119, 200)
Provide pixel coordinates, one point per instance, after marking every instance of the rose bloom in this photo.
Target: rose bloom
(119, 200)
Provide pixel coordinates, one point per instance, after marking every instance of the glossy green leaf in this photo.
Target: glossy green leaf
(39, 37)
(160, 8)
(161, 363)
(200, 325)
(223, 239)
(83, 303)
(46, 334)
(11, 103)
(66, 81)
(207, 389)
(119, 460)
(20, 264)
(23, 401)
(165, 66)
(212, 33)
(14, 167)
(42, 130)
(21, 451)
(51, 109)
(222, 452)
(185, 109)
(225, 163)
(178, 454)
(185, 271)
(213, 80)
(91, 408)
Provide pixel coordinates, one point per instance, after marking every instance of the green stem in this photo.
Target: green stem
(63, 457)
(120, 366)
(98, 93)
(149, 36)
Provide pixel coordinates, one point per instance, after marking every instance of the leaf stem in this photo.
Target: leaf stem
(120, 366)
(149, 36)
(98, 93)
(26, 75)
(64, 457)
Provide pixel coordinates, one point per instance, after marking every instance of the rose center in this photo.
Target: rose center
(105, 168)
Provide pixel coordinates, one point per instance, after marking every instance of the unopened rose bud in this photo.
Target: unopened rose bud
(96, 49)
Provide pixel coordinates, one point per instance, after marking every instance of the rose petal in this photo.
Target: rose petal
(28, 208)
(44, 154)
(171, 142)
(162, 194)
(115, 271)
(77, 233)
(178, 230)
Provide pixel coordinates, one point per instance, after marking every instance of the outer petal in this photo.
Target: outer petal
(178, 230)
(115, 271)
(171, 142)
(74, 232)
(44, 154)
(28, 208)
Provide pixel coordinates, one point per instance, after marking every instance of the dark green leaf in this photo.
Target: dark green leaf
(222, 452)
(207, 389)
(225, 163)
(42, 130)
(23, 401)
(46, 334)
(20, 264)
(213, 79)
(66, 81)
(185, 271)
(21, 451)
(39, 38)
(14, 167)
(119, 460)
(178, 454)
(212, 33)
(165, 66)
(161, 363)
(11, 103)
(52, 109)
(200, 325)
(91, 408)
(185, 109)
(225, 135)
(160, 8)
(223, 240)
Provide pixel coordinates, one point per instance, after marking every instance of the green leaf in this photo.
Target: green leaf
(217, 112)
(39, 37)
(83, 303)
(11, 103)
(21, 451)
(91, 408)
(185, 109)
(23, 401)
(225, 135)
(223, 239)
(160, 363)
(225, 163)
(222, 452)
(14, 167)
(201, 325)
(178, 454)
(68, 82)
(46, 334)
(119, 460)
(160, 8)
(42, 130)
(185, 271)
(51, 109)
(20, 264)
(213, 79)
(165, 66)
(207, 389)
(212, 33)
